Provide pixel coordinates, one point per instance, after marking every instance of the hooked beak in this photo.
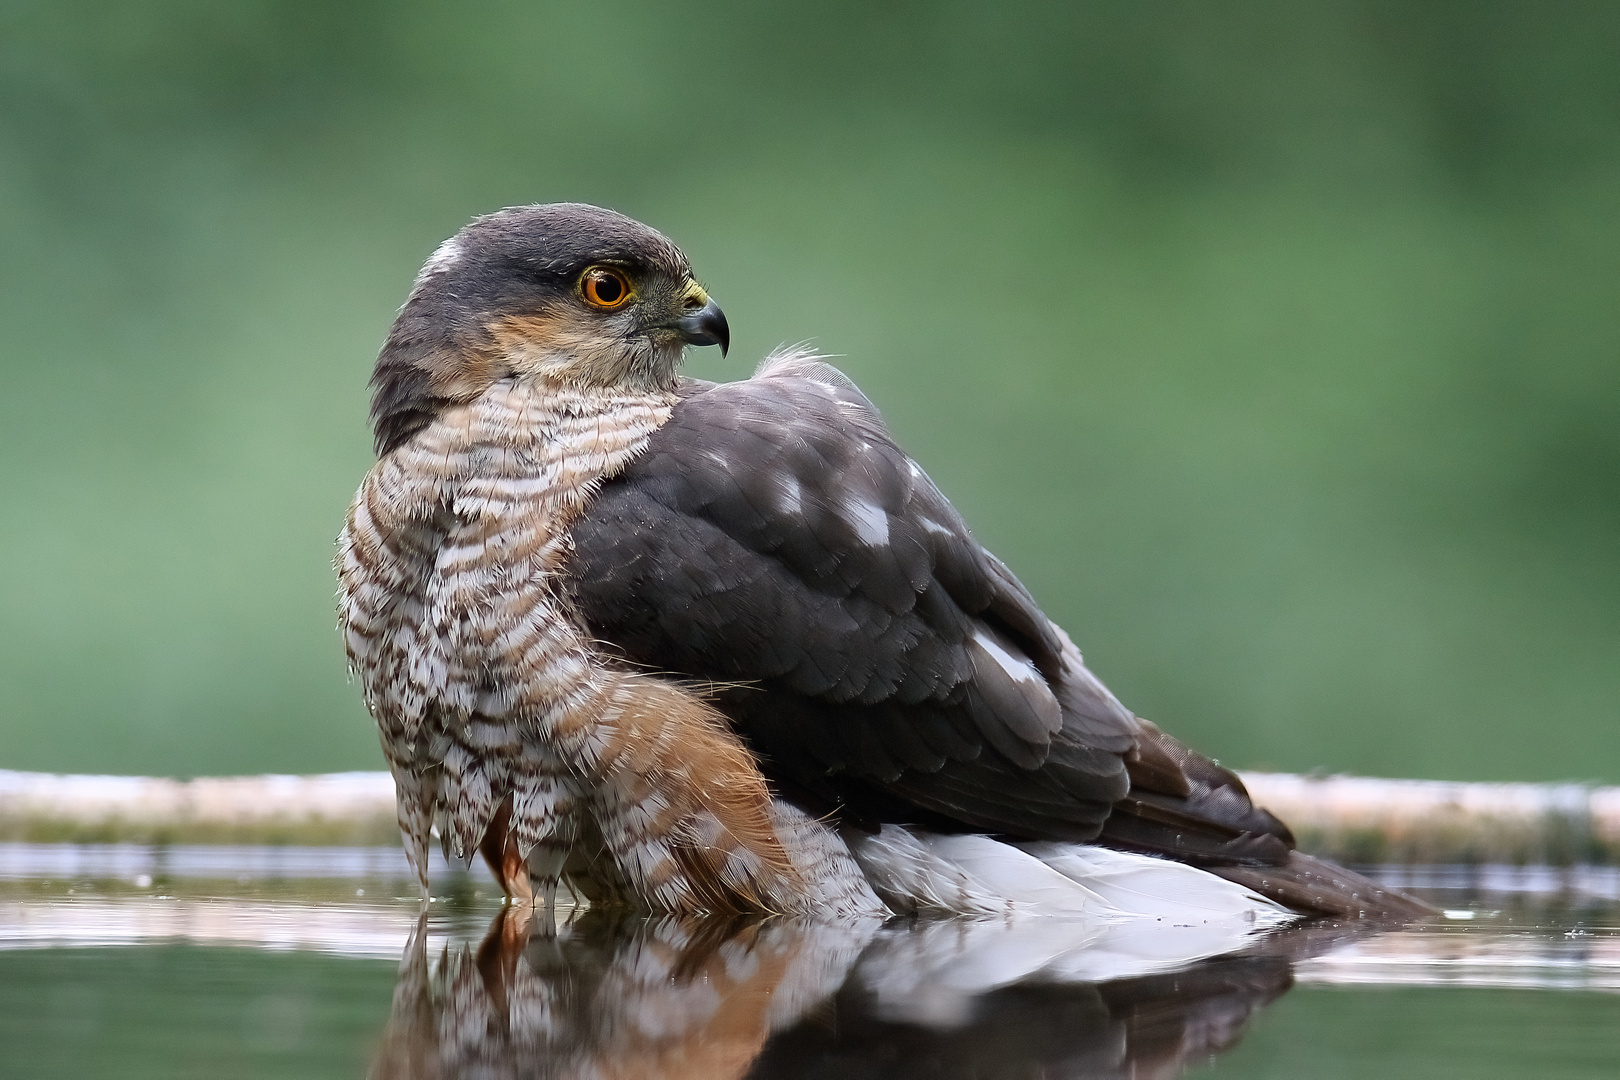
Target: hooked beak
(705, 326)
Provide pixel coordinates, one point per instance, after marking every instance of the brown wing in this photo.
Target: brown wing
(881, 663)
(775, 541)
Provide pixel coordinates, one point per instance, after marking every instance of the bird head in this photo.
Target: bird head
(569, 293)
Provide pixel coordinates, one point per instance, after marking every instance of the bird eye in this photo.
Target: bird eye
(604, 287)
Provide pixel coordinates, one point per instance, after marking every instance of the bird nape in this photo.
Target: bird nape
(726, 648)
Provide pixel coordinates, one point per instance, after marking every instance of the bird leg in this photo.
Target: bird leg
(545, 870)
(500, 850)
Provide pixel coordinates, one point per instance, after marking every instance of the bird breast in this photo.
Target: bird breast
(447, 563)
(492, 701)
(480, 680)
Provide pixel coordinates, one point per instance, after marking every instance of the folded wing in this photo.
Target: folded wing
(775, 543)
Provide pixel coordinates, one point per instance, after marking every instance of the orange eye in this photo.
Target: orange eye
(604, 287)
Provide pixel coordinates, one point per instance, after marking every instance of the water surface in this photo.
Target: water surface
(292, 962)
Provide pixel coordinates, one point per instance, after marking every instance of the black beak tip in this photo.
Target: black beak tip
(707, 326)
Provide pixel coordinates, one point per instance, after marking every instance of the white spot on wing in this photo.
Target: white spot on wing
(931, 526)
(791, 500)
(868, 520)
(1018, 669)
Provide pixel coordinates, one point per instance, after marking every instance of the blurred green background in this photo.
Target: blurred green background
(1275, 345)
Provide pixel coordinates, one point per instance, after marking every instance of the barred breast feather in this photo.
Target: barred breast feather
(490, 698)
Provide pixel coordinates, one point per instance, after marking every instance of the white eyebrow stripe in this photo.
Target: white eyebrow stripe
(443, 258)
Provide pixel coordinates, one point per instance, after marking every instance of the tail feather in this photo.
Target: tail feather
(1306, 883)
(920, 872)
(1184, 806)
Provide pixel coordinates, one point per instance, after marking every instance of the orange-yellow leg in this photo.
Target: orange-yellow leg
(500, 851)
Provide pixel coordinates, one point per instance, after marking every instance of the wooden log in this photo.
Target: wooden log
(1362, 820)
(334, 808)
(1350, 819)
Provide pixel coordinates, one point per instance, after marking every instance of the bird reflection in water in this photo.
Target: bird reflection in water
(600, 997)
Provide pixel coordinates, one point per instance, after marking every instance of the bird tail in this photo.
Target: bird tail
(1186, 807)
(1306, 883)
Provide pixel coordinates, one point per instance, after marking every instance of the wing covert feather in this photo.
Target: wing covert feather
(774, 539)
